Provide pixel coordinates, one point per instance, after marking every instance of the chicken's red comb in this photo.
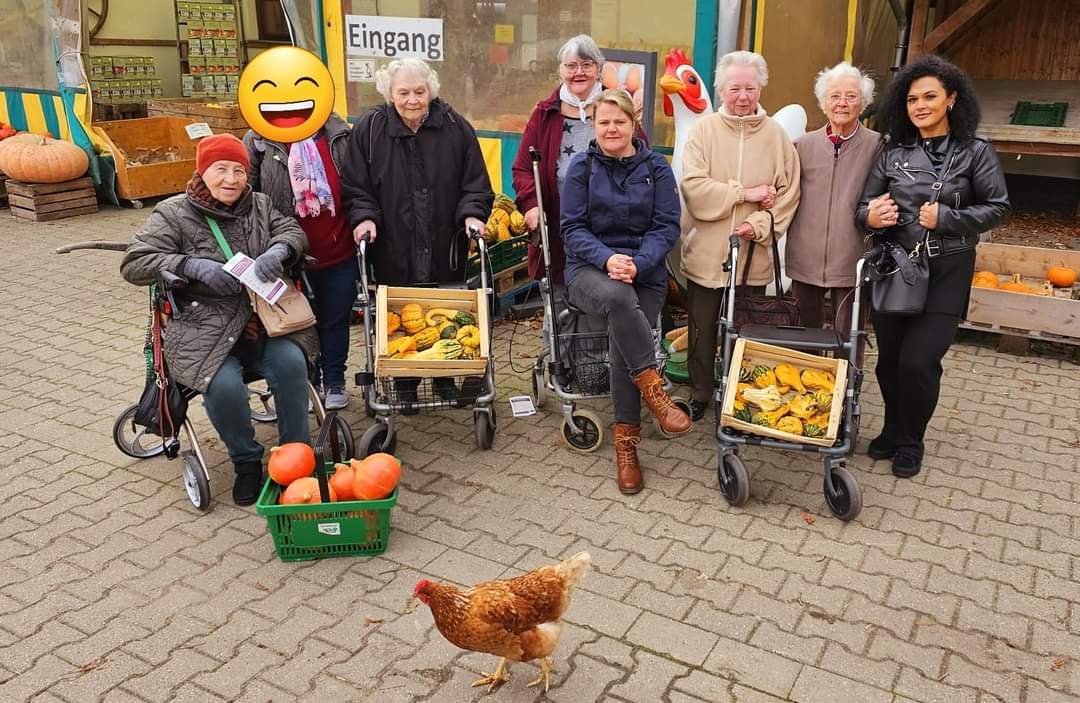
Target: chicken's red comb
(675, 58)
(423, 583)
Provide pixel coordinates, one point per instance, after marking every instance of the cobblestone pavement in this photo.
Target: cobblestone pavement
(960, 585)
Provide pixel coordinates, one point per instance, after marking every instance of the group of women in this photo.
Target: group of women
(409, 178)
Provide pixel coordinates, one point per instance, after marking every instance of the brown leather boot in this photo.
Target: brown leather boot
(672, 421)
(627, 468)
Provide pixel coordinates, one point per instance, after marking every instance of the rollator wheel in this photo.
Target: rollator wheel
(262, 402)
(734, 479)
(196, 482)
(345, 438)
(589, 435)
(682, 404)
(538, 387)
(847, 503)
(377, 438)
(485, 428)
(133, 439)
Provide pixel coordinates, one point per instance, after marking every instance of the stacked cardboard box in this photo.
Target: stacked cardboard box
(210, 48)
(123, 79)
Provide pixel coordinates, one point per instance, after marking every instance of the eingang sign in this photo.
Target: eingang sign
(394, 37)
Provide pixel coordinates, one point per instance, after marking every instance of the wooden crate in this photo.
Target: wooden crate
(221, 116)
(511, 278)
(392, 298)
(42, 202)
(136, 181)
(1052, 319)
(769, 355)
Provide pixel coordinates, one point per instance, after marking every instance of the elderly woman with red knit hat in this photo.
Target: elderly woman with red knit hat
(218, 336)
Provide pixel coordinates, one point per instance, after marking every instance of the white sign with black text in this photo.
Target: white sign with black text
(394, 37)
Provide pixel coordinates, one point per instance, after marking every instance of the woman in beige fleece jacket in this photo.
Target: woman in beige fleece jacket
(737, 164)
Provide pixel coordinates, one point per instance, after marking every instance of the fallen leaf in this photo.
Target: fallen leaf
(1057, 664)
(91, 665)
(372, 621)
(807, 518)
(261, 587)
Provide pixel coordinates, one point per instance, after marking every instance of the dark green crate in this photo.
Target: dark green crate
(320, 530)
(1039, 114)
(502, 255)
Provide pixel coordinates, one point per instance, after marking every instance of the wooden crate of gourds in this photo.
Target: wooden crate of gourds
(428, 332)
(784, 394)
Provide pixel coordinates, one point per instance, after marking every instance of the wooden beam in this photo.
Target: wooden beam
(954, 26)
(920, 15)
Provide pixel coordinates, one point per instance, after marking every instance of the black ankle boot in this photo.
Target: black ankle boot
(883, 446)
(906, 463)
(697, 409)
(248, 482)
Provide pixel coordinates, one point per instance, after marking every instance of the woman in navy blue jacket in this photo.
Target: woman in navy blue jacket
(619, 218)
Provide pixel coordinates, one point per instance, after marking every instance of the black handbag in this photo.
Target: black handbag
(899, 281)
(778, 310)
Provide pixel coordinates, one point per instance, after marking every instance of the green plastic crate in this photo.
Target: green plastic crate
(1039, 114)
(502, 254)
(321, 530)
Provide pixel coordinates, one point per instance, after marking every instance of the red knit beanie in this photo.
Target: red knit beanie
(220, 147)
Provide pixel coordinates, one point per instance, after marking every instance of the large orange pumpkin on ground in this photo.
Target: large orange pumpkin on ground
(1061, 276)
(342, 481)
(375, 477)
(42, 159)
(985, 279)
(304, 490)
(290, 461)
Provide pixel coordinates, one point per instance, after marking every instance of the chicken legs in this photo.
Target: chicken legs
(493, 681)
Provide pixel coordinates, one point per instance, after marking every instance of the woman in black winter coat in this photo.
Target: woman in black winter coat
(414, 180)
(929, 115)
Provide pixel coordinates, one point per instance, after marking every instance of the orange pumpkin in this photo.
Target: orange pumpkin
(42, 159)
(375, 477)
(985, 279)
(1061, 276)
(1015, 285)
(290, 462)
(342, 481)
(304, 490)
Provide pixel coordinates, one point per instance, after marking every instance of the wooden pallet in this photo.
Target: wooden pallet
(42, 202)
(511, 278)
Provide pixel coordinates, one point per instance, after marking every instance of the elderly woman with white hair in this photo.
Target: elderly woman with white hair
(824, 241)
(738, 164)
(414, 180)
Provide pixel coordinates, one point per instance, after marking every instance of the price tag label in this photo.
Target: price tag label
(198, 130)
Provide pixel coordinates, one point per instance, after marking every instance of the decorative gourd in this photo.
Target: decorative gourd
(447, 330)
(469, 336)
(803, 405)
(764, 376)
(789, 376)
(791, 425)
(769, 419)
(375, 477)
(742, 412)
(396, 347)
(811, 430)
(764, 398)
(817, 379)
(823, 400)
(393, 322)
(425, 338)
(746, 374)
(304, 490)
(341, 482)
(739, 388)
(1061, 276)
(1015, 285)
(412, 318)
(290, 461)
(42, 159)
(442, 350)
(985, 279)
(458, 317)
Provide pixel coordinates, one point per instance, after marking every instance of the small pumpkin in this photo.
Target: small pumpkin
(342, 480)
(1061, 276)
(290, 461)
(985, 279)
(447, 330)
(39, 159)
(375, 477)
(393, 322)
(1015, 285)
(412, 318)
(304, 490)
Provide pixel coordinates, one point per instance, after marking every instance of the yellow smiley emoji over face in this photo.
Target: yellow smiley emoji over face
(286, 94)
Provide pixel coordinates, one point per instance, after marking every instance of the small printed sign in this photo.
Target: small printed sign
(504, 34)
(522, 406)
(330, 528)
(361, 70)
(198, 130)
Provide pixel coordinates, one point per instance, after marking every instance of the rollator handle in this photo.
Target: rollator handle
(534, 154)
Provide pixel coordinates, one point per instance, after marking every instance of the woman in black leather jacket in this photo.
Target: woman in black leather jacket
(929, 115)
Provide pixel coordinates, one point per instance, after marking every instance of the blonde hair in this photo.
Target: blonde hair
(620, 99)
(384, 77)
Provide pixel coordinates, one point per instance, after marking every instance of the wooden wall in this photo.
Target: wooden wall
(1020, 40)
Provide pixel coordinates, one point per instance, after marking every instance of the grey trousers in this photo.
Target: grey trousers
(631, 312)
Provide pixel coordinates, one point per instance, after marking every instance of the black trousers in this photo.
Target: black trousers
(910, 350)
(703, 306)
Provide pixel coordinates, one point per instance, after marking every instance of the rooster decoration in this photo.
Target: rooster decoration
(517, 619)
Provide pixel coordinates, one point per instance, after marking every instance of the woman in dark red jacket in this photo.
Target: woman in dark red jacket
(559, 127)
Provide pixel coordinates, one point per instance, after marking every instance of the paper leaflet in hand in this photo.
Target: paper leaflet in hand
(242, 267)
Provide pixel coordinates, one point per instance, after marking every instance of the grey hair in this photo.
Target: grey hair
(385, 75)
(584, 47)
(843, 70)
(741, 58)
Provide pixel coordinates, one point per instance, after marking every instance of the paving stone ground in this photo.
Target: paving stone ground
(960, 585)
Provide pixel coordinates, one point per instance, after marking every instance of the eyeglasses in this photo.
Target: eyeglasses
(849, 98)
(585, 66)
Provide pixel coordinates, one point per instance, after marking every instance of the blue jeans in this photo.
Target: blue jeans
(228, 404)
(334, 289)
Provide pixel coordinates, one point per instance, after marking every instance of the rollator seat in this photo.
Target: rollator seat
(807, 339)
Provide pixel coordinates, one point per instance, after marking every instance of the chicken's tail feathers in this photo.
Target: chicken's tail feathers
(574, 568)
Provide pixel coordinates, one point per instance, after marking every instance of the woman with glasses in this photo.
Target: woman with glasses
(560, 127)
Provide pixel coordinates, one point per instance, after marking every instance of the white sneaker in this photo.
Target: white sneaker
(336, 398)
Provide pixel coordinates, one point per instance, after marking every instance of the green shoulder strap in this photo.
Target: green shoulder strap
(225, 248)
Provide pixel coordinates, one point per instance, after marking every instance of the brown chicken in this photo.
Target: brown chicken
(517, 619)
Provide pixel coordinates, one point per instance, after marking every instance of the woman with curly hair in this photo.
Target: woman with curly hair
(929, 115)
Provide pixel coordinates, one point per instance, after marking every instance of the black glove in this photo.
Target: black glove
(211, 274)
(271, 263)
